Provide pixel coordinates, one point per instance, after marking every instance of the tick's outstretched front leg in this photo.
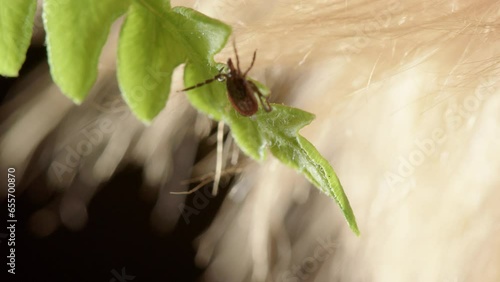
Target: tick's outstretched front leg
(220, 77)
(251, 65)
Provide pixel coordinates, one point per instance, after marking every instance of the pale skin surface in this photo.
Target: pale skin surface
(406, 99)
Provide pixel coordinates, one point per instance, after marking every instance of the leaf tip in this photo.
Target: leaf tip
(355, 229)
(145, 119)
(76, 100)
(9, 73)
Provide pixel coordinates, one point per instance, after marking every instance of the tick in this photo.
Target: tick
(241, 91)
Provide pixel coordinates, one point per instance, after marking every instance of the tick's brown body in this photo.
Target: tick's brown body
(240, 90)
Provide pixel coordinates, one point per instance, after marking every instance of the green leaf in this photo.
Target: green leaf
(278, 129)
(76, 33)
(154, 40)
(16, 27)
(246, 132)
(309, 161)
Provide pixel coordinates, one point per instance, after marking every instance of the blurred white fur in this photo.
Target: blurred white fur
(406, 98)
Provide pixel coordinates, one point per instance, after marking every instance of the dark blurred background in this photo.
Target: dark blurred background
(118, 242)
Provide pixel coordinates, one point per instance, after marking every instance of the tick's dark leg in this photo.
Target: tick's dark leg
(251, 65)
(237, 58)
(219, 77)
(263, 99)
(265, 103)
